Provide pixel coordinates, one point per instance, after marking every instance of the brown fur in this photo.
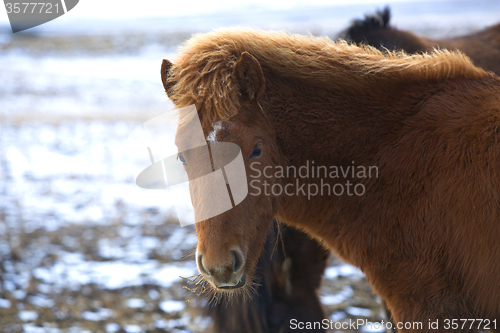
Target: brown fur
(483, 47)
(426, 232)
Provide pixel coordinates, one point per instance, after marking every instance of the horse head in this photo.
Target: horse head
(229, 244)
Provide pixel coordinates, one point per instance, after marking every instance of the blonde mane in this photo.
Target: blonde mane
(203, 71)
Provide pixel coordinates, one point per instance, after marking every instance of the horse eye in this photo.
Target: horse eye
(181, 158)
(256, 151)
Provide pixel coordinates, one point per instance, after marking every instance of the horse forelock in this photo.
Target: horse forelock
(204, 76)
(202, 73)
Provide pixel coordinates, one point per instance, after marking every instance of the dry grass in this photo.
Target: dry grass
(67, 307)
(24, 251)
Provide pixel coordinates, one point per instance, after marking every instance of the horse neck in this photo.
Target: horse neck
(334, 128)
(338, 126)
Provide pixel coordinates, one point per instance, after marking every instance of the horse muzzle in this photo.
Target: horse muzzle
(228, 274)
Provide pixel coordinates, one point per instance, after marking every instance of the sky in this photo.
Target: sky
(120, 9)
(98, 16)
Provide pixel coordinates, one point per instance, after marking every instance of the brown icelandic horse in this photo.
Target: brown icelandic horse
(483, 47)
(287, 277)
(425, 230)
(288, 274)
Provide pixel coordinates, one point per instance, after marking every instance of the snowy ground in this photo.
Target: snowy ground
(82, 249)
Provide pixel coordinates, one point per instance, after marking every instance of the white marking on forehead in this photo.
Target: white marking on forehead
(217, 126)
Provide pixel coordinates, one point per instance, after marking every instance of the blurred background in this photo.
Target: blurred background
(82, 249)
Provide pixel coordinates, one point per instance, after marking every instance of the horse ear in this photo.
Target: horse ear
(250, 76)
(386, 16)
(165, 68)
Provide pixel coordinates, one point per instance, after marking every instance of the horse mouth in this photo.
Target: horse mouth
(240, 283)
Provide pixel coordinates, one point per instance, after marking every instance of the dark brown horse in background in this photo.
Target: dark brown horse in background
(288, 273)
(483, 47)
(426, 232)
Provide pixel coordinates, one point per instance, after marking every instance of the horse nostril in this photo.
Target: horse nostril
(238, 260)
(201, 268)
